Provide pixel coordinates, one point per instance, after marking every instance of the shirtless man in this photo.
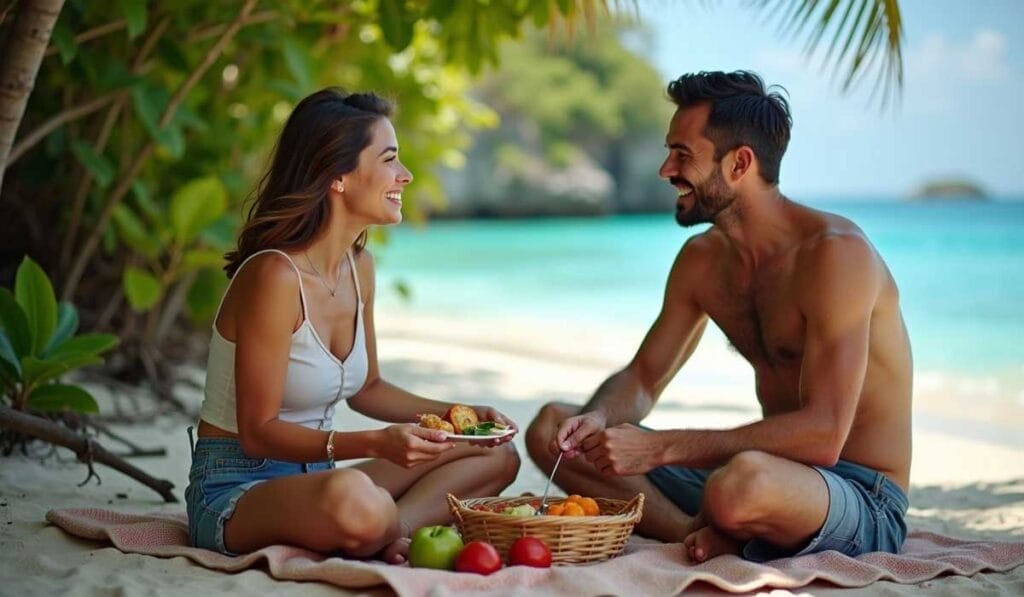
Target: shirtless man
(807, 300)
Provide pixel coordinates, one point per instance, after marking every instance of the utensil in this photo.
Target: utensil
(544, 500)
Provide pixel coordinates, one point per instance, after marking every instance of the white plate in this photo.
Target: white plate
(479, 438)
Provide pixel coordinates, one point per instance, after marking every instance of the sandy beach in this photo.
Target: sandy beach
(967, 477)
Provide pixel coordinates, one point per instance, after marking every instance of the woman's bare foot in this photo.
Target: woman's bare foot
(397, 552)
(707, 542)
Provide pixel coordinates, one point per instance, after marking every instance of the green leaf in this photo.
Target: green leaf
(64, 38)
(58, 397)
(94, 344)
(204, 295)
(134, 234)
(10, 364)
(134, 12)
(97, 165)
(150, 101)
(172, 140)
(67, 325)
(172, 55)
(34, 293)
(298, 61)
(141, 287)
(115, 75)
(144, 199)
(202, 258)
(36, 371)
(195, 206)
(15, 324)
(396, 23)
(221, 234)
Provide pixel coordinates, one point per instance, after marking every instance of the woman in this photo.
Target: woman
(294, 336)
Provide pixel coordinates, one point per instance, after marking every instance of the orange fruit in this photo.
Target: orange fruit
(589, 505)
(573, 509)
(573, 499)
(555, 509)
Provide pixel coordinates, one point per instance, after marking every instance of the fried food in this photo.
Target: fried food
(462, 417)
(436, 422)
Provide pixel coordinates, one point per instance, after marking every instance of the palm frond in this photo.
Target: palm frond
(867, 35)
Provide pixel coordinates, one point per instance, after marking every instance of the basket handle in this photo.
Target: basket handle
(453, 505)
(636, 506)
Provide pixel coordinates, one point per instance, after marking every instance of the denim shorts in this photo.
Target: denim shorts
(866, 511)
(221, 473)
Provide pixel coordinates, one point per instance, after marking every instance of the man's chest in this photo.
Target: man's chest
(759, 313)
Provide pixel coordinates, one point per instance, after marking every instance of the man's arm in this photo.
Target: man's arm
(837, 290)
(630, 394)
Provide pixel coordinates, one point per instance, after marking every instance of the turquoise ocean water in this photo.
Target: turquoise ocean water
(959, 267)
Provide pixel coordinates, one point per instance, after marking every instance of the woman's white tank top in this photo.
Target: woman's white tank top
(316, 380)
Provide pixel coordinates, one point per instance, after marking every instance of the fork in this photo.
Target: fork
(544, 500)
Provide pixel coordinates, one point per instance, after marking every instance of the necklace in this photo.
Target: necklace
(321, 278)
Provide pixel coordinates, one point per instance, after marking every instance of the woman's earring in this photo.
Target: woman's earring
(338, 186)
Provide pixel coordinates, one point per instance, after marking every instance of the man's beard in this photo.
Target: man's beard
(709, 200)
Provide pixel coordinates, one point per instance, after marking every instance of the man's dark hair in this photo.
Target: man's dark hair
(743, 112)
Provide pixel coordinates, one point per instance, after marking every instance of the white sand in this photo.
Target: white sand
(967, 479)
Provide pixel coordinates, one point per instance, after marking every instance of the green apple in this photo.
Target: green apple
(435, 547)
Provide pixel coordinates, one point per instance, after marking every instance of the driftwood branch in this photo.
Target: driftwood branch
(87, 449)
(134, 449)
(124, 184)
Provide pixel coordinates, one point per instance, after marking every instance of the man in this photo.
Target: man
(804, 297)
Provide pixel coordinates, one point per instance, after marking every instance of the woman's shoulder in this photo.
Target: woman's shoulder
(365, 266)
(270, 272)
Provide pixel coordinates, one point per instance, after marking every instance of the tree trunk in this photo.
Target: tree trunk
(87, 449)
(21, 59)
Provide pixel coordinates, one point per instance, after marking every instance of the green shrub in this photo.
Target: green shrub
(38, 345)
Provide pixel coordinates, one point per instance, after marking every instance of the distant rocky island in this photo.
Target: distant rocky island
(949, 190)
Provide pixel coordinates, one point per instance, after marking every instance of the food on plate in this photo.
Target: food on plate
(462, 417)
(435, 547)
(486, 428)
(529, 551)
(462, 420)
(479, 557)
(436, 422)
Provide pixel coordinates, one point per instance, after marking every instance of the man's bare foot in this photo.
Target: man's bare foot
(707, 542)
(397, 552)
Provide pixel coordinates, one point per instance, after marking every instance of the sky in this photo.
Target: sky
(960, 115)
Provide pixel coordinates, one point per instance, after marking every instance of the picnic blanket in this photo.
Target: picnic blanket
(644, 568)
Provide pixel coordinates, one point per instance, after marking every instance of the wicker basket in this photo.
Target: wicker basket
(571, 539)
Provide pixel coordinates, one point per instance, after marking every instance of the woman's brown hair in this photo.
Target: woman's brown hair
(320, 142)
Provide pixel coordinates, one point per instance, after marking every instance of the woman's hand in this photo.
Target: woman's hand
(488, 413)
(408, 444)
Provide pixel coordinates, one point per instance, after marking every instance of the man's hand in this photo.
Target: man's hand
(573, 431)
(622, 450)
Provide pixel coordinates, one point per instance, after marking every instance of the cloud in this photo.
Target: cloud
(982, 59)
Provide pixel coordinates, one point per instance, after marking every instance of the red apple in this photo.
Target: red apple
(478, 557)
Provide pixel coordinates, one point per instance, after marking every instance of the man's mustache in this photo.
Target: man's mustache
(678, 180)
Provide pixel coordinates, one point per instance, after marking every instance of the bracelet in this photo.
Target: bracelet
(330, 446)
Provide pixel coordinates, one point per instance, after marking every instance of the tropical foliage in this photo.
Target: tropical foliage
(38, 345)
